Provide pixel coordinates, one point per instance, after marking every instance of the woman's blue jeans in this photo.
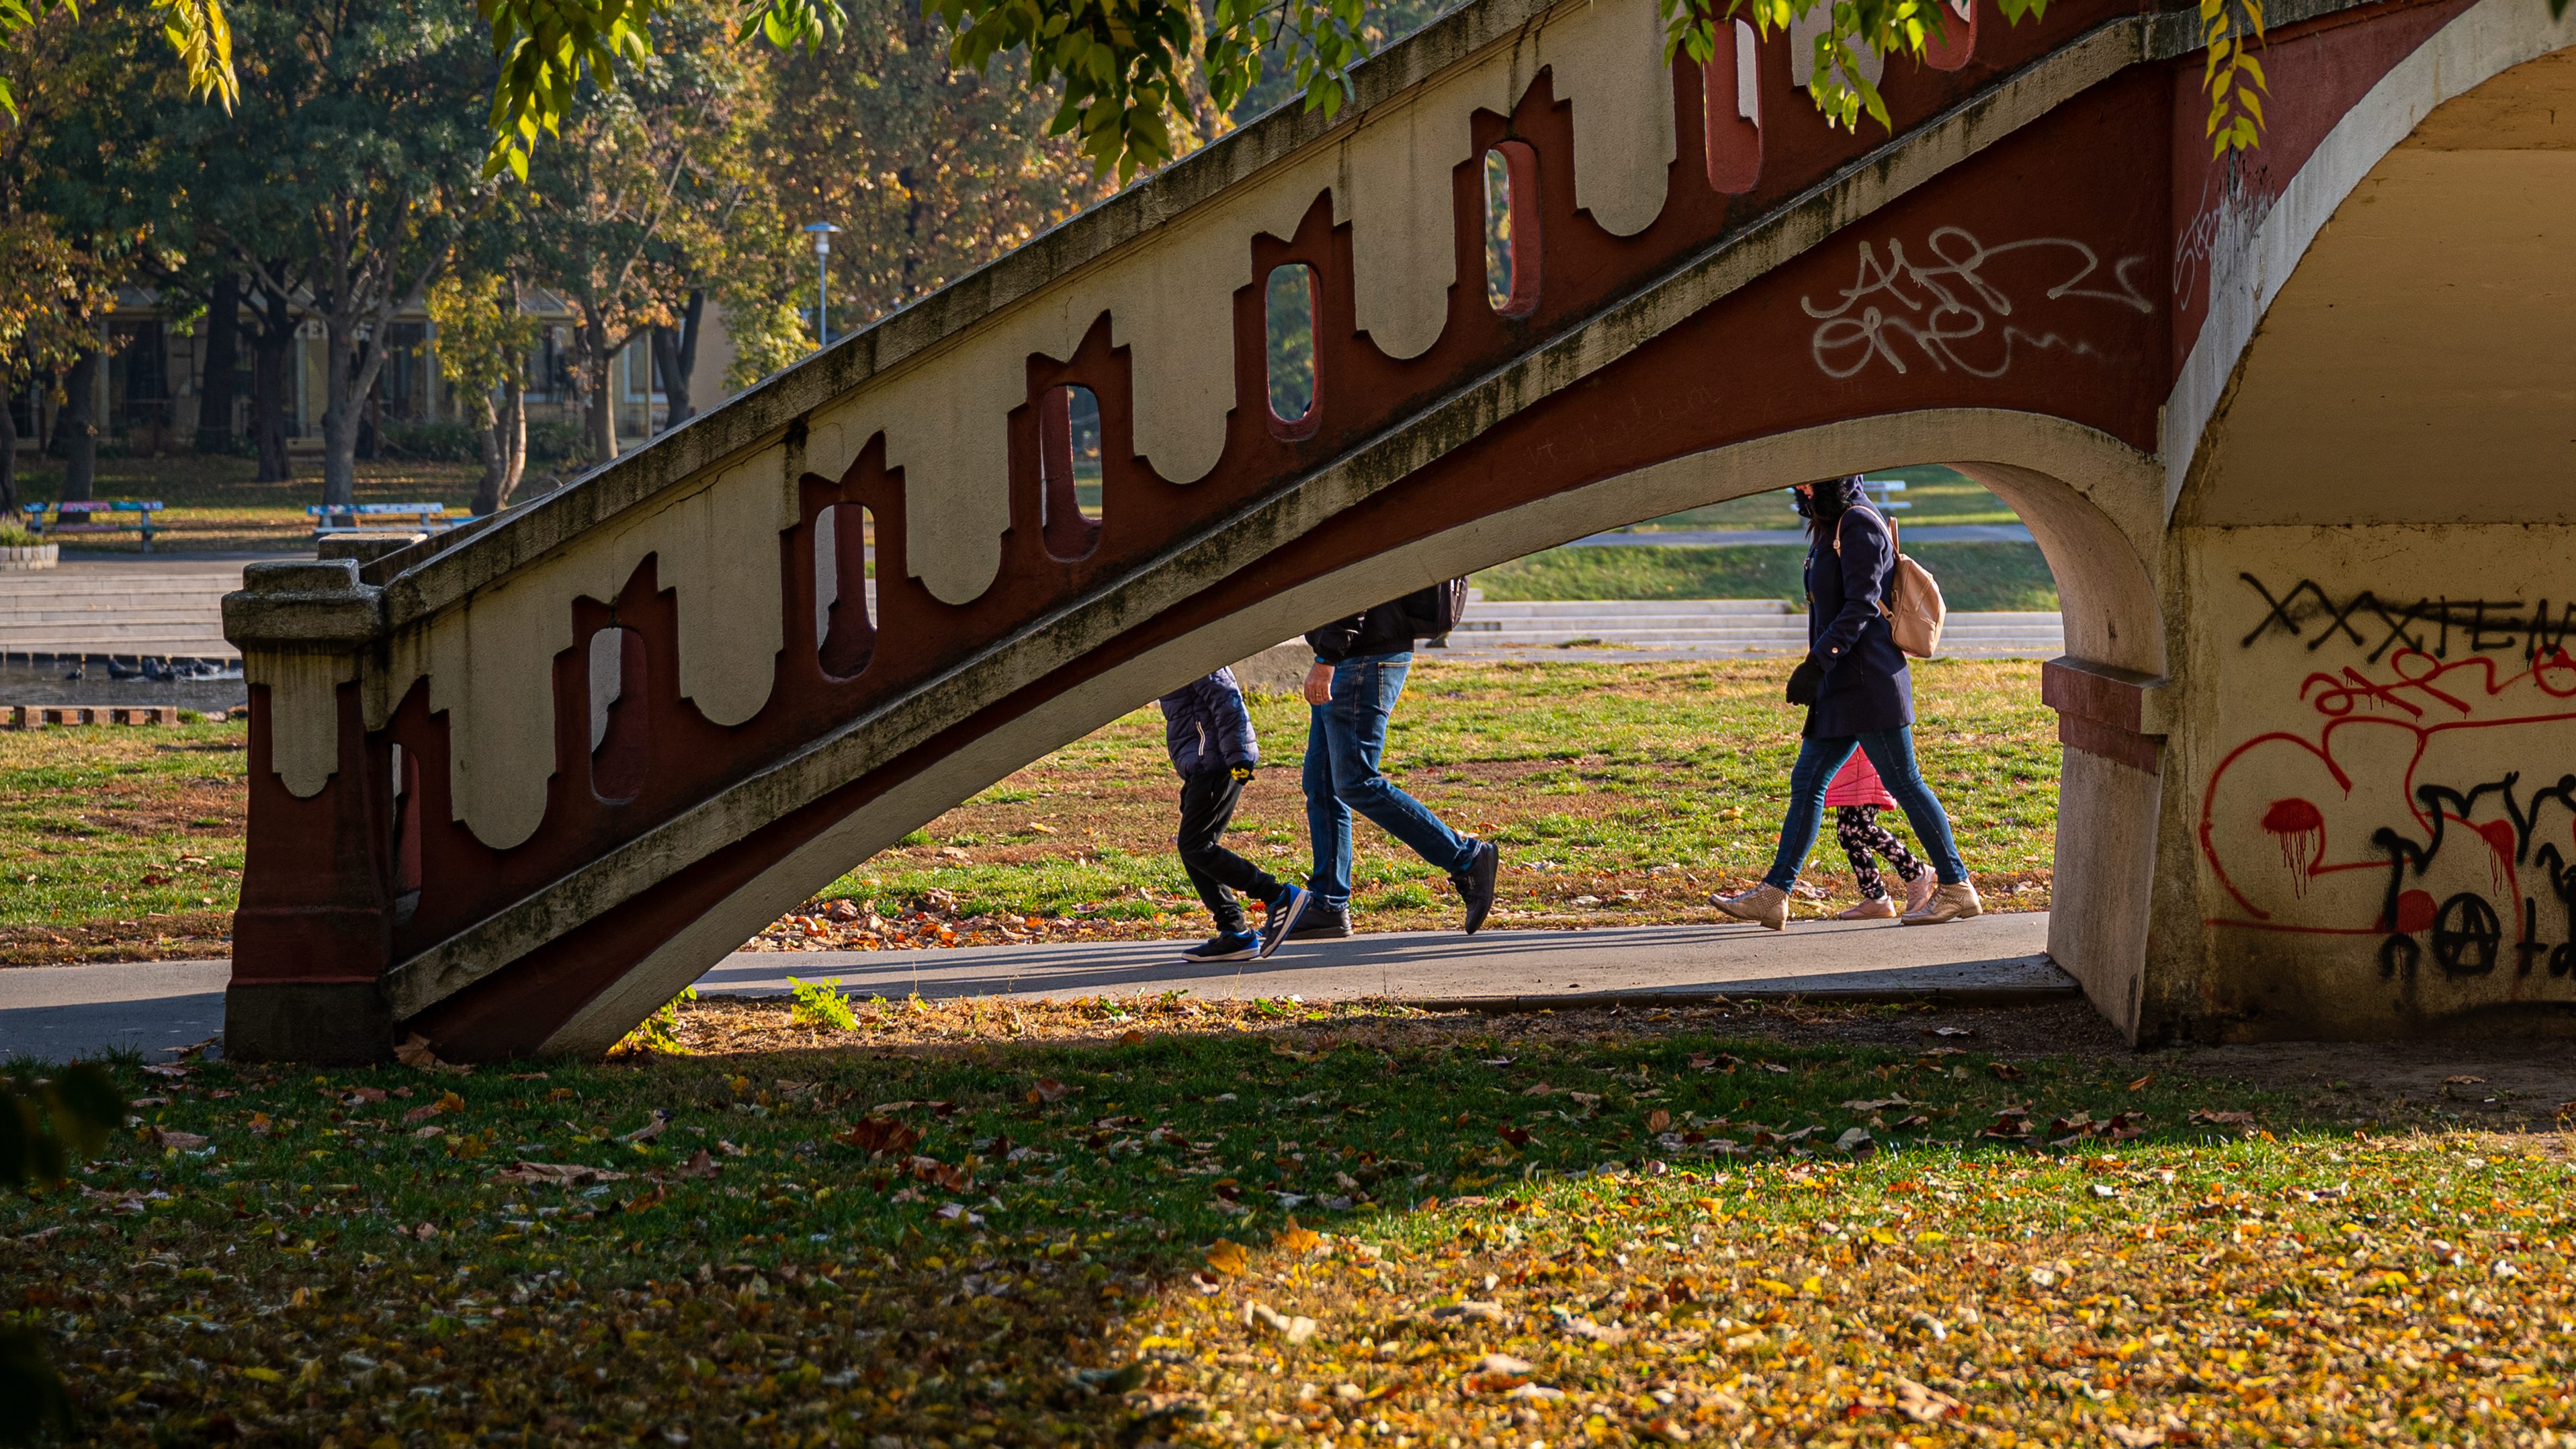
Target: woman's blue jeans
(1891, 753)
(1344, 741)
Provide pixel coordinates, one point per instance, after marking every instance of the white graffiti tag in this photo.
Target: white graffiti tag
(1933, 307)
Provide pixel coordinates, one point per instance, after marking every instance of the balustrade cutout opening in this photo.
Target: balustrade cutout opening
(845, 588)
(406, 820)
(1069, 472)
(1731, 111)
(1958, 40)
(1288, 312)
(617, 716)
(1511, 228)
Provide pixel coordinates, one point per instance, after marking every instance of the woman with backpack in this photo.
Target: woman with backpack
(1858, 695)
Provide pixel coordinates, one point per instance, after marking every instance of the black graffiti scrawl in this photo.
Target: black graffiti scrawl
(2467, 936)
(2438, 625)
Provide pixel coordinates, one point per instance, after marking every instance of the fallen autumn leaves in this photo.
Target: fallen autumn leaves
(1253, 1226)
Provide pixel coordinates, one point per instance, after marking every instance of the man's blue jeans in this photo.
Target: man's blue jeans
(1891, 753)
(1344, 741)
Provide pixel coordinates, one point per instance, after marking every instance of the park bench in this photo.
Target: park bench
(84, 516)
(346, 518)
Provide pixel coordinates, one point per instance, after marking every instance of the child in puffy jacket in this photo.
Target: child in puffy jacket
(1857, 795)
(1209, 734)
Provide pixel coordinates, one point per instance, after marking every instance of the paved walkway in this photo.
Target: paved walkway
(57, 1012)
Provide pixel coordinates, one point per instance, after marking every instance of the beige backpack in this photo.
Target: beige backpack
(1912, 606)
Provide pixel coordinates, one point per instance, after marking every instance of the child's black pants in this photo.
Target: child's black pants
(1207, 806)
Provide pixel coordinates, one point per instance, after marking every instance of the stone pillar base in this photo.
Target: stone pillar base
(325, 1023)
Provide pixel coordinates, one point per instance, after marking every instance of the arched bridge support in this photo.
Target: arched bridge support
(512, 787)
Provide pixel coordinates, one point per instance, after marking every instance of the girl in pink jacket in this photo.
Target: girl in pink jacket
(1857, 797)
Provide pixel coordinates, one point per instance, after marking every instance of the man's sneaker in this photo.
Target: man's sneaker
(1225, 946)
(1321, 923)
(1282, 918)
(1476, 883)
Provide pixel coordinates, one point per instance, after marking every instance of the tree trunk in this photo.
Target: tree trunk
(342, 414)
(675, 358)
(371, 411)
(487, 489)
(505, 448)
(514, 435)
(599, 419)
(8, 458)
(78, 427)
(272, 349)
(223, 356)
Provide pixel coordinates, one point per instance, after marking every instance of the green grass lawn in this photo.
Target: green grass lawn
(1620, 793)
(1974, 577)
(1167, 1222)
(1933, 494)
(119, 839)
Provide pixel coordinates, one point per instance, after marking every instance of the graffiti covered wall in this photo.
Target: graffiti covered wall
(2385, 821)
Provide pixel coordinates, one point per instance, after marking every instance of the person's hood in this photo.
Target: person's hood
(1849, 489)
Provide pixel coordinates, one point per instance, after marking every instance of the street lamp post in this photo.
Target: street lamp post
(822, 232)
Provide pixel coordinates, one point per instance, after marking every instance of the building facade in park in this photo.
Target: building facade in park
(147, 396)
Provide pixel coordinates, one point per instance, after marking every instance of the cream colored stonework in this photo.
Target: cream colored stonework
(303, 713)
(490, 660)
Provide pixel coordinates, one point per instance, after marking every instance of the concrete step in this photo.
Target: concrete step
(140, 641)
(56, 619)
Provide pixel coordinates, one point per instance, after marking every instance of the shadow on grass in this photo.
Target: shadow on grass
(1044, 1226)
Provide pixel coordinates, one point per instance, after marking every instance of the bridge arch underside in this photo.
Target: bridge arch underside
(2070, 481)
(2375, 789)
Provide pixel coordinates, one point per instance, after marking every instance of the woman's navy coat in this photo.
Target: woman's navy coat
(1866, 686)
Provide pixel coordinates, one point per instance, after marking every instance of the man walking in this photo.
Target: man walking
(1360, 664)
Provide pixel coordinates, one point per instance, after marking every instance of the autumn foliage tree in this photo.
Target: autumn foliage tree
(637, 184)
(928, 170)
(58, 279)
(485, 333)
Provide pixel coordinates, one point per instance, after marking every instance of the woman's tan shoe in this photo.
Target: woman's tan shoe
(1764, 905)
(1948, 903)
(1918, 891)
(1871, 908)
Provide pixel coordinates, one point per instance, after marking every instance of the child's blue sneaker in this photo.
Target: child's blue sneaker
(1283, 918)
(1225, 946)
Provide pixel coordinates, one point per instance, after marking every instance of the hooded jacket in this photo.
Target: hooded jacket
(1206, 728)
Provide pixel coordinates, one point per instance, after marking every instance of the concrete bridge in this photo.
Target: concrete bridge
(2287, 426)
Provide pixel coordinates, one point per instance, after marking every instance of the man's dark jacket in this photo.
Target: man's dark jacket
(1382, 630)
